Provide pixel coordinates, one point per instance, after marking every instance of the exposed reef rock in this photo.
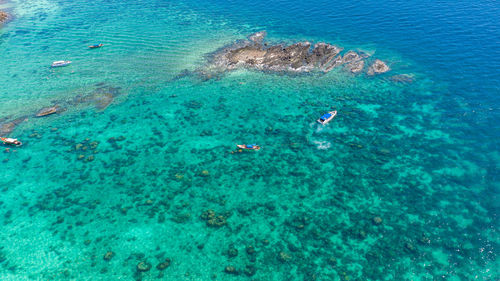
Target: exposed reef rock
(378, 67)
(48, 111)
(299, 57)
(3, 17)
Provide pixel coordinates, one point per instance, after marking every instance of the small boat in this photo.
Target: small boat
(61, 63)
(327, 117)
(248, 146)
(96, 46)
(11, 141)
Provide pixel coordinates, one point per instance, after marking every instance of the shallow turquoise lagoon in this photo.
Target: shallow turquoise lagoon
(138, 178)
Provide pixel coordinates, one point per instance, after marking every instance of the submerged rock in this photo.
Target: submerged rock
(402, 78)
(250, 270)
(377, 220)
(7, 127)
(232, 252)
(231, 270)
(101, 97)
(212, 219)
(108, 256)
(143, 266)
(378, 67)
(284, 257)
(258, 37)
(163, 265)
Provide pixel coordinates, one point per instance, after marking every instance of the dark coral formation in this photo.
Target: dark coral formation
(213, 219)
(143, 266)
(298, 57)
(163, 265)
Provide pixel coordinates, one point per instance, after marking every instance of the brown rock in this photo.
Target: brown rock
(47, 111)
(3, 17)
(378, 67)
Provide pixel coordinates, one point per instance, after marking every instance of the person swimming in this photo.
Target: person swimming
(11, 141)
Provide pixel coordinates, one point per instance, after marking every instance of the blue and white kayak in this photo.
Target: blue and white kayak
(61, 63)
(327, 117)
(248, 146)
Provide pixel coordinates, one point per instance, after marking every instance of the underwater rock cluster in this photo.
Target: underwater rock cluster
(299, 57)
(99, 98)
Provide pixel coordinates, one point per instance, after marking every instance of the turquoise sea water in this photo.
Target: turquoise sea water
(402, 185)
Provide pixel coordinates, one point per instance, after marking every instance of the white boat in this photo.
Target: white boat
(248, 146)
(327, 117)
(61, 63)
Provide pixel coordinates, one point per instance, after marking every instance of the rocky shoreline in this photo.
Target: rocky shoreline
(300, 57)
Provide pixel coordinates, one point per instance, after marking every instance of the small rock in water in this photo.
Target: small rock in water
(332, 261)
(409, 246)
(143, 266)
(232, 252)
(250, 250)
(108, 256)
(230, 269)
(163, 265)
(284, 257)
(377, 220)
(378, 67)
(250, 270)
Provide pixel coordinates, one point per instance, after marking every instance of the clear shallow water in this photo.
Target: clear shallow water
(422, 156)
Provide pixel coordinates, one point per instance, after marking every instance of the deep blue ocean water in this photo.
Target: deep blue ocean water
(402, 185)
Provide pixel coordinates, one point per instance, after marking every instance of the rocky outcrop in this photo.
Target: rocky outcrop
(378, 67)
(299, 57)
(3, 17)
(48, 111)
